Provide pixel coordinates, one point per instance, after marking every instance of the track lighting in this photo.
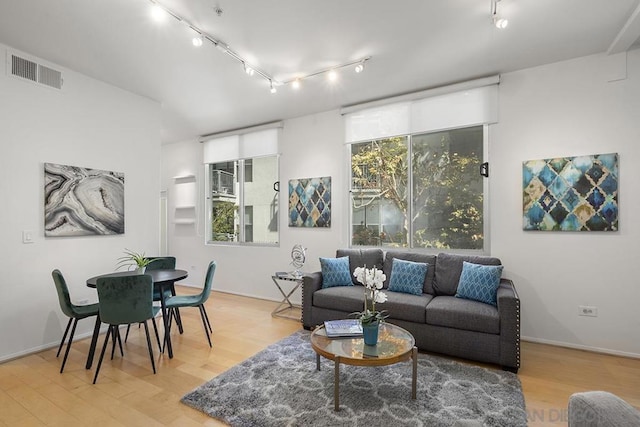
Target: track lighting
(160, 13)
(498, 20)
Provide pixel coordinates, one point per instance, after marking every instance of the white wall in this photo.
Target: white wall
(562, 109)
(568, 109)
(89, 124)
(311, 146)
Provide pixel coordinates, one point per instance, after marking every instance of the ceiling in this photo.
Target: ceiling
(413, 45)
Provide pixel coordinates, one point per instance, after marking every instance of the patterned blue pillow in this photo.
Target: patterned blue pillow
(335, 272)
(407, 276)
(479, 282)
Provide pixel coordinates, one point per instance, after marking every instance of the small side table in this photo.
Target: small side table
(286, 308)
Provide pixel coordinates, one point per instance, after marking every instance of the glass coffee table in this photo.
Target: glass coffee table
(394, 345)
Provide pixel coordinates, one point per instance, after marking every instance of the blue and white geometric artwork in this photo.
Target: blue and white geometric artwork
(310, 202)
(571, 193)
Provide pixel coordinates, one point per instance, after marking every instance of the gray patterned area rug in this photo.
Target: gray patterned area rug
(280, 387)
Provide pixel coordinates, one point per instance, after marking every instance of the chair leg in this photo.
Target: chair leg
(126, 336)
(155, 329)
(203, 315)
(64, 337)
(207, 318)
(104, 347)
(66, 352)
(146, 330)
(178, 319)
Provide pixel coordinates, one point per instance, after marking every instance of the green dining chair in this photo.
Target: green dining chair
(124, 300)
(198, 300)
(74, 312)
(160, 263)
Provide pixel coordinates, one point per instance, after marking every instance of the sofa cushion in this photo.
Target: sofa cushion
(407, 276)
(335, 272)
(350, 299)
(449, 268)
(343, 298)
(430, 260)
(479, 282)
(464, 314)
(371, 257)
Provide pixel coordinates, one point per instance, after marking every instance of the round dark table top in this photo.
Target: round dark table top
(158, 276)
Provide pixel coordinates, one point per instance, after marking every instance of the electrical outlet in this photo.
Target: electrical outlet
(27, 236)
(587, 310)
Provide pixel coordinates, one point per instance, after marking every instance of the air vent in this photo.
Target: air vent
(38, 73)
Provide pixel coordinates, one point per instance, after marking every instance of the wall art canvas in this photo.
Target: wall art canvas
(80, 201)
(571, 193)
(310, 202)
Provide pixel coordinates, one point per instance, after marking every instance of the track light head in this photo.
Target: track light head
(359, 68)
(332, 76)
(197, 41)
(500, 23)
(272, 89)
(250, 71)
(296, 84)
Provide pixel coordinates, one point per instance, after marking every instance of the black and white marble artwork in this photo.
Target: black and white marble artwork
(81, 201)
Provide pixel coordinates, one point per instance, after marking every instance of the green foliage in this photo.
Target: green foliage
(447, 190)
(222, 223)
(132, 258)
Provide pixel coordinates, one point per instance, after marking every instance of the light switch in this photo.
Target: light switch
(27, 236)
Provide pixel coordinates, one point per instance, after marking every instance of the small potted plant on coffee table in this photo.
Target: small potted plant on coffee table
(134, 259)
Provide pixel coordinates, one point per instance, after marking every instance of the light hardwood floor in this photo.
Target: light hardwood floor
(34, 393)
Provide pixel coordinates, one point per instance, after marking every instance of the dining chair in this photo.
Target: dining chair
(161, 263)
(74, 312)
(198, 300)
(124, 300)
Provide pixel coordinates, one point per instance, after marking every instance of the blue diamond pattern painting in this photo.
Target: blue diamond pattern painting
(571, 193)
(310, 202)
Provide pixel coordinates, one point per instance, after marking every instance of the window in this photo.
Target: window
(444, 207)
(416, 164)
(241, 194)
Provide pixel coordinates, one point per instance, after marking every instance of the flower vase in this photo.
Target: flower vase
(141, 270)
(370, 332)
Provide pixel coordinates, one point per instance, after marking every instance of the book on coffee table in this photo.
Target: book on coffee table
(343, 328)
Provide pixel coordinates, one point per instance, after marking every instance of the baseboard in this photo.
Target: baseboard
(582, 347)
(240, 294)
(46, 346)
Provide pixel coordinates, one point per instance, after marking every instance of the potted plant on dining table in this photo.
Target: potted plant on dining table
(372, 279)
(134, 259)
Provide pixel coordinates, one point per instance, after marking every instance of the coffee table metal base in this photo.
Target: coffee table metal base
(336, 376)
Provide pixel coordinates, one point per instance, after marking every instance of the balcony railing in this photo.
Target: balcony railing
(222, 183)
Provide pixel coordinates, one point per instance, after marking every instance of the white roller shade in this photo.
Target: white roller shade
(379, 122)
(442, 110)
(454, 110)
(242, 146)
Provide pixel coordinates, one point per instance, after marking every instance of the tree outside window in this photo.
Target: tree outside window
(446, 210)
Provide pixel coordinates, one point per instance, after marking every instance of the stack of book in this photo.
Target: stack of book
(343, 328)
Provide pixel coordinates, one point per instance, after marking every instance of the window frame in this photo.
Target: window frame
(240, 198)
(486, 245)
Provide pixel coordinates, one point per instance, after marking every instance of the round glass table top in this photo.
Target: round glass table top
(394, 344)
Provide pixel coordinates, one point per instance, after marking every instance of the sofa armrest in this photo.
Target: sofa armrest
(310, 283)
(601, 409)
(509, 312)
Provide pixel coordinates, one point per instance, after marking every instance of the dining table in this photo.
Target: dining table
(163, 280)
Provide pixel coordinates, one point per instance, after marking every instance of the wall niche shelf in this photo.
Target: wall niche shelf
(184, 221)
(184, 179)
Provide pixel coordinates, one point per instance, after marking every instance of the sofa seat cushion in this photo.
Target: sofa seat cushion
(350, 299)
(465, 314)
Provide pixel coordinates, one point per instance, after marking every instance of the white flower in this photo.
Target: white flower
(381, 297)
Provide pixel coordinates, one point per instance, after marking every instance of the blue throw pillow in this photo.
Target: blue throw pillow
(407, 276)
(335, 272)
(479, 282)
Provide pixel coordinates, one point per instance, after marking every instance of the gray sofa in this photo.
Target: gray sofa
(438, 320)
(601, 409)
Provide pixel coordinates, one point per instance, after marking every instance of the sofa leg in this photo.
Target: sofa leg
(510, 369)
